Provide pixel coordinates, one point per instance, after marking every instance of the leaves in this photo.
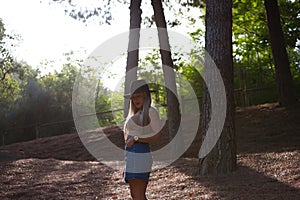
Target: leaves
(88, 11)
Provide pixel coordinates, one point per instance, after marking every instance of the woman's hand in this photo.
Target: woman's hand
(152, 139)
(130, 141)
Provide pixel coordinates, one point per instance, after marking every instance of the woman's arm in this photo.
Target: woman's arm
(156, 126)
(155, 138)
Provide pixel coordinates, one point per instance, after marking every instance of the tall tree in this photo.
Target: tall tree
(218, 44)
(281, 61)
(9, 68)
(133, 47)
(168, 66)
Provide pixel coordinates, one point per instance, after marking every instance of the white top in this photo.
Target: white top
(132, 129)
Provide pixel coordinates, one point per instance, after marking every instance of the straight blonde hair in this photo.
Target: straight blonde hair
(145, 120)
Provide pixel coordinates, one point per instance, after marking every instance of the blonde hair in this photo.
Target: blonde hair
(145, 120)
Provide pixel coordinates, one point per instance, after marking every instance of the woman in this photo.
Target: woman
(142, 127)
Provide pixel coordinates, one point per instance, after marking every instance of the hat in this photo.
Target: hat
(138, 86)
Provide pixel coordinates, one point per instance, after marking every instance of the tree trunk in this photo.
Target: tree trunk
(167, 62)
(282, 66)
(218, 44)
(133, 48)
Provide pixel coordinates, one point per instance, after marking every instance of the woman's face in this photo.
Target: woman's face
(138, 100)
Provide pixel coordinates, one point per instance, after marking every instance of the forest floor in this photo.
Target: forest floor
(268, 146)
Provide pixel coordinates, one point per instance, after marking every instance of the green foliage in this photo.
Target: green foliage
(116, 100)
(150, 69)
(12, 76)
(253, 63)
(9, 91)
(290, 21)
(187, 74)
(27, 98)
(103, 106)
(9, 87)
(2, 30)
(87, 10)
(58, 88)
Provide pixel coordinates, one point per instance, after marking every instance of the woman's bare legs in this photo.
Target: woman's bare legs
(138, 189)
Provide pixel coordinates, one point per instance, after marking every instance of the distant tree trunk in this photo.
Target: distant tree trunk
(133, 47)
(169, 75)
(281, 61)
(218, 44)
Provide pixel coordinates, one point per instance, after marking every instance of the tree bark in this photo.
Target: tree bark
(133, 48)
(284, 79)
(168, 66)
(218, 44)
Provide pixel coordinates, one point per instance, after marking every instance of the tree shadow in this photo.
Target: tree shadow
(244, 183)
(262, 132)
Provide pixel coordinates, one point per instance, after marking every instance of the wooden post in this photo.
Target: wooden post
(182, 104)
(245, 95)
(3, 138)
(62, 128)
(37, 134)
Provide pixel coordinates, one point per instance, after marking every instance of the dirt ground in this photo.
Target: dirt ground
(268, 143)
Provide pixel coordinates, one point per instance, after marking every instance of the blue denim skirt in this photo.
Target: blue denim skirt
(138, 162)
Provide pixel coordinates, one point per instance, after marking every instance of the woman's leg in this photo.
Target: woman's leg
(138, 189)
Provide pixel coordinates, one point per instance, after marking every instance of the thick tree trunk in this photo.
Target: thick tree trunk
(218, 44)
(133, 47)
(169, 75)
(281, 61)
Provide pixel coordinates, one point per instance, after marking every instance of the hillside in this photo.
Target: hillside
(268, 143)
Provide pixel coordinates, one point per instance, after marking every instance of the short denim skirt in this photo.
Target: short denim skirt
(138, 162)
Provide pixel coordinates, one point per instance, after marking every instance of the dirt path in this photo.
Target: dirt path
(268, 141)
